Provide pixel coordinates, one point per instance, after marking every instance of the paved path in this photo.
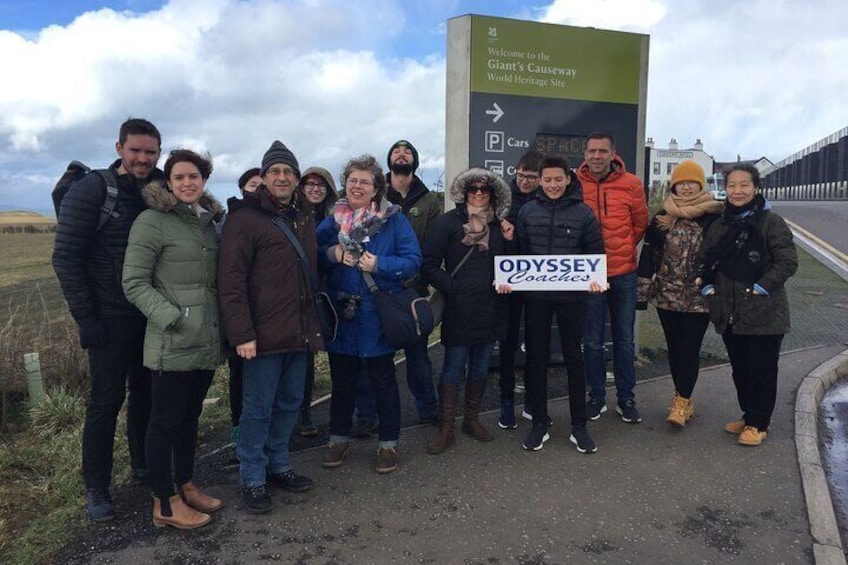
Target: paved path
(650, 495)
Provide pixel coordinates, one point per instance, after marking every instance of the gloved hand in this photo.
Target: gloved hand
(92, 332)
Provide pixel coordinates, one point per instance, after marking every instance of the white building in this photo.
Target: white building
(661, 161)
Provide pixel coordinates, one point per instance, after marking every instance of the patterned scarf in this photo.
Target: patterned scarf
(689, 208)
(477, 228)
(356, 226)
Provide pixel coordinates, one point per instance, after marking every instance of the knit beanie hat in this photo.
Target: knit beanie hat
(403, 143)
(279, 153)
(246, 176)
(688, 170)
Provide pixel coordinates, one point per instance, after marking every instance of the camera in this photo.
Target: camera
(350, 303)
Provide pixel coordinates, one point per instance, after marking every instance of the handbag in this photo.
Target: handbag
(437, 299)
(323, 305)
(406, 316)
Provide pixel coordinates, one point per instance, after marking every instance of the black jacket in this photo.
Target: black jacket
(88, 263)
(474, 312)
(565, 226)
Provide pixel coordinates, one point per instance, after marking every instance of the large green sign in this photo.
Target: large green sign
(553, 61)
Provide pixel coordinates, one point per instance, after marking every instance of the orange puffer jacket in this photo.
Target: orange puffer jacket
(618, 200)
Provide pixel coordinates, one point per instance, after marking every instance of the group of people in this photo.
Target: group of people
(173, 279)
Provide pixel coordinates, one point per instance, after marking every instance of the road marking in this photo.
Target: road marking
(835, 256)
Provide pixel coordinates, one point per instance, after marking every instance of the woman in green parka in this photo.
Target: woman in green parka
(170, 275)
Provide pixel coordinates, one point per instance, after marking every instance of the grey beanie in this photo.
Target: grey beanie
(279, 153)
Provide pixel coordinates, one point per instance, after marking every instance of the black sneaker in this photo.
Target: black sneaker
(98, 504)
(594, 408)
(536, 438)
(581, 440)
(256, 498)
(290, 481)
(628, 412)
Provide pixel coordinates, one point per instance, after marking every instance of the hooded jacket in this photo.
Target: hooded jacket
(170, 274)
(519, 199)
(474, 312)
(325, 208)
(618, 201)
(88, 262)
(565, 226)
(265, 292)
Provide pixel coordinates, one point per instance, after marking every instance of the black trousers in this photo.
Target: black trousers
(116, 373)
(684, 334)
(508, 347)
(753, 360)
(538, 317)
(236, 365)
(172, 432)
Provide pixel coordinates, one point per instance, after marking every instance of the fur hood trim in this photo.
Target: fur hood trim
(501, 193)
(158, 197)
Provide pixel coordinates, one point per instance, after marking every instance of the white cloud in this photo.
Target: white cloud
(229, 76)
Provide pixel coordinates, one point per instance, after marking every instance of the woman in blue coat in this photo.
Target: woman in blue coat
(364, 233)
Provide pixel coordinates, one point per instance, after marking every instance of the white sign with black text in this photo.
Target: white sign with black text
(551, 272)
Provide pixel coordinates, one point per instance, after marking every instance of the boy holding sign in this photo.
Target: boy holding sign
(556, 222)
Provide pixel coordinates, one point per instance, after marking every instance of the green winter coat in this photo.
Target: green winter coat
(170, 274)
(734, 302)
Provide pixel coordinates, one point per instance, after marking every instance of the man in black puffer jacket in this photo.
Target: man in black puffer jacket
(89, 262)
(556, 222)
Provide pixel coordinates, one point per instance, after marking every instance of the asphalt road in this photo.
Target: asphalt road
(826, 219)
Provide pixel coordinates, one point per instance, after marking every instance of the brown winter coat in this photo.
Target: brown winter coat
(264, 291)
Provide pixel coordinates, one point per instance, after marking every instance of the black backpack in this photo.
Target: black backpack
(75, 172)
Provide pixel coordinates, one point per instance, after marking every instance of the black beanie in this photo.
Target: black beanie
(246, 176)
(279, 153)
(403, 143)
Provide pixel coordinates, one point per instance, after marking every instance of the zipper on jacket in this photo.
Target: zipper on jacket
(606, 211)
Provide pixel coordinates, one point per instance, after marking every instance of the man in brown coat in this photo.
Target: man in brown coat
(268, 313)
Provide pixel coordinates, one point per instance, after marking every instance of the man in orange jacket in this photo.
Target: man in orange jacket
(618, 200)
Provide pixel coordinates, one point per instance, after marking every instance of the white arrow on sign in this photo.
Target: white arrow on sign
(496, 112)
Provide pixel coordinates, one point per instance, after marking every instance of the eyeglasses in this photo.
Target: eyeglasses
(280, 171)
(364, 183)
(689, 183)
(485, 189)
(315, 186)
(529, 177)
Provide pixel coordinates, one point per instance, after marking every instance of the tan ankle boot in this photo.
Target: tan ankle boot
(682, 410)
(197, 499)
(174, 512)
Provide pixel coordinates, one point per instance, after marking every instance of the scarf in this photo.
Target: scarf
(688, 208)
(357, 226)
(477, 228)
(741, 253)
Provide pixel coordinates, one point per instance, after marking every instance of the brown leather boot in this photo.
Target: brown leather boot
(174, 512)
(197, 499)
(448, 398)
(470, 423)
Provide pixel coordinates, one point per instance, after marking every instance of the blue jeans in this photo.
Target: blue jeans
(620, 299)
(273, 392)
(419, 378)
(345, 371)
(474, 357)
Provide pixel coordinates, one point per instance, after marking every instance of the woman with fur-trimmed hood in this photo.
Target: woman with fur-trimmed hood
(459, 252)
(170, 274)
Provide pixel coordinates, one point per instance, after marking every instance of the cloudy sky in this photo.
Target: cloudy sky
(337, 78)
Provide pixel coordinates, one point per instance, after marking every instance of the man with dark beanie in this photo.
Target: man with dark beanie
(268, 314)
(421, 207)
